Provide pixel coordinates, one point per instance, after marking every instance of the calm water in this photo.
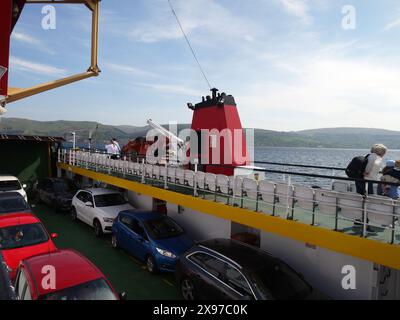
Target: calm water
(311, 156)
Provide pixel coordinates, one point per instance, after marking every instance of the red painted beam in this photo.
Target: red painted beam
(6, 7)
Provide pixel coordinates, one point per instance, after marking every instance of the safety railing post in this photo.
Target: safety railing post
(289, 182)
(166, 176)
(365, 217)
(143, 171)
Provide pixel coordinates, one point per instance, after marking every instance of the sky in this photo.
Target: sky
(290, 64)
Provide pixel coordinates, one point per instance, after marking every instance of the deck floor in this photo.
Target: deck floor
(124, 272)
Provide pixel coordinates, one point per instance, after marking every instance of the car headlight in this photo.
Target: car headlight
(166, 253)
(108, 220)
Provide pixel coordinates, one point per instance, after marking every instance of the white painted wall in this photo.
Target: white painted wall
(140, 201)
(323, 268)
(198, 225)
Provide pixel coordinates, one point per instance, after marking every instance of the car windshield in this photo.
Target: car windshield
(163, 228)
(10, 185)
(109, 200)
(92, 290)
(22, 236)
(279, 281)
(13, 205)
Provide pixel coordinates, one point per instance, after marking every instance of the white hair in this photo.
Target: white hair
(379, 149)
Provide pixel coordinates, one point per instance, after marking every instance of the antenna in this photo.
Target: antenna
(190, 46)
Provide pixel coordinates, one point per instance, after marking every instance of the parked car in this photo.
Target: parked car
(56, 192)
(12, 184)
(151, 237)
(6, 289)
(75, 278)
(98, 208)
(22, 235)
(225, 269)
(13, 202)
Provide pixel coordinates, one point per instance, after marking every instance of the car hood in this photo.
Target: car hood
(177, 245)
(14, 256)
(112, 212)
(65, 195)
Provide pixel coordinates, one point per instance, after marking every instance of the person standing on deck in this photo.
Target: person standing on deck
(113, 149)
(392, 175)
(373, 168)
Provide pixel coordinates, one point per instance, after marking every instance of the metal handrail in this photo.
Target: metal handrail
(300, 165)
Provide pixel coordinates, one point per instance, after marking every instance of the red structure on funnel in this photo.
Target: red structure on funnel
(10, 10)
(221, 140)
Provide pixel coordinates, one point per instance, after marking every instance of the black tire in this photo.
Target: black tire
(74, 216)
(188, 290)
(151, 265)
(114, 241)
(98, 230)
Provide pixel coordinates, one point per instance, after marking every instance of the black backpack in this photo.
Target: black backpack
(357, 166)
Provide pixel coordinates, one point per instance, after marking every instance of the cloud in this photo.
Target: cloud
(162, 26)
(297, 8)
(126, 69)
(38, 68)
(22, 37)
(171, 89)
(392, 25)
(326, 92)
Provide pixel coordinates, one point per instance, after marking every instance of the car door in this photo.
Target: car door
(80, 206)
(207, 275)
(138, 240)
(124, 223)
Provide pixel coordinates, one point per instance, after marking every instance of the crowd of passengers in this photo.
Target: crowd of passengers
(374, 172)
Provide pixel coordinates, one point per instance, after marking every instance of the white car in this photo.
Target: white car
(12, 184)
(98, 208)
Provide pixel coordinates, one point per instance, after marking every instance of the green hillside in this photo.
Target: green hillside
(328, 137)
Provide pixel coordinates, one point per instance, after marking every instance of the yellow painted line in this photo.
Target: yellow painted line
(367, 249)
(168, 282)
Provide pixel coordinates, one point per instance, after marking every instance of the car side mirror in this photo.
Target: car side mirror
(54, 235)
(89, 204)
(123, 296)
(24, 186)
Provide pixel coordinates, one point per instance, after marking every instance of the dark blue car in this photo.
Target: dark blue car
(151, 237)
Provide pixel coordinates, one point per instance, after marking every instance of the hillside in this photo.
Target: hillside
(326, 137)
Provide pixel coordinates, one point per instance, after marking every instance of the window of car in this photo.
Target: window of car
(92, 290)
(209, 263)
(109, 200)
(22, 236)
(13, 204)
(137, 228)
(10, 185)
(236, 280)
(163, 228)
(126, 220)
(278, 281)
(21, 284)
(84, 197)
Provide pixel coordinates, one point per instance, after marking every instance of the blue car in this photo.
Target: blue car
(151, 237)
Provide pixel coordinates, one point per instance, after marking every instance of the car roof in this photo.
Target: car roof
(244, 255)
(143, 215)
(98, 191)
(72, 269)
(10, 195)
(20, 218)
(4, 177)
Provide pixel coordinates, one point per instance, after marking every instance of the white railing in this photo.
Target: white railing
(282, 198)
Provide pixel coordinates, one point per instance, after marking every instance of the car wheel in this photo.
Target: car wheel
(151, 264)
(114, 241)
(74, 215)
(187, 289)
(98, 230)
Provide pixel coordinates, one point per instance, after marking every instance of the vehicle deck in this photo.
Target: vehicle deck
(130, 274)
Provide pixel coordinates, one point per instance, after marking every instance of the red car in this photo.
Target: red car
(62, 275)
(22, 235)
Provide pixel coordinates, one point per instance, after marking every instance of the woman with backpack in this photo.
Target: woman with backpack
(374, 165)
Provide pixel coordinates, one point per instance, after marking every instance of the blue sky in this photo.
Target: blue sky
(289, 63)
